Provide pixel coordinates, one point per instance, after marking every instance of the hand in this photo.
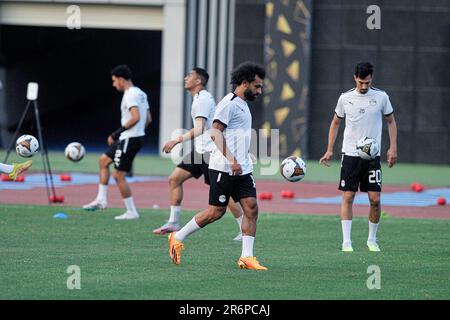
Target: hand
(325, 160)
(169, 146)
(236, 169)
(391, 157)
(110, 140)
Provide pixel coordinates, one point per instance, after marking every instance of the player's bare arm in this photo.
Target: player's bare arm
(334, 128)
(392, 152)
(217, 137)
(199, 127)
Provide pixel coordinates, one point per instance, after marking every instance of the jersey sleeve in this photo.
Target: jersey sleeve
(387, 107)
(132, 99)
(340, 112)
(224, 113)
(205, 105)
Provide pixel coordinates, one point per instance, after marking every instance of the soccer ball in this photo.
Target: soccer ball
(27, 146)
(293, 169)
(367, 148)
(74, 151)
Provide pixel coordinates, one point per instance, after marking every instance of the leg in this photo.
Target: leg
(210, 215)
(235, 209)
(238, 214)
(374, 219)
(247, 259)
(122, 183)
(125, 192)
(103, 163)
(6, 168)
(201, 219)
(375, 207)
(347, 205)
(250, 207)
(176, 180)
(101, 200)
(346, 219)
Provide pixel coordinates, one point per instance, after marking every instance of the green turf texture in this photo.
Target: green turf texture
(124, 260)
(401, 174)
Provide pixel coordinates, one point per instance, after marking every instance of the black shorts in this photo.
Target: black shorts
(123, 152)
(357, 172)
(223, 186)
(197, 164)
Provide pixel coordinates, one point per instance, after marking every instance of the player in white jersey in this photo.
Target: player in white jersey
(230, 166)
(195, 164)
(124, 143)
(363, 109)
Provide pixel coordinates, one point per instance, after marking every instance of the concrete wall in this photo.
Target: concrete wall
(411, 54)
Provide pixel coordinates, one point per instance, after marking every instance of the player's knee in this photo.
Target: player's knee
(119, 175)
(251, 210)
(349, 198)
(104, 161)
(216, 213)
(174, 181)
(375, 202)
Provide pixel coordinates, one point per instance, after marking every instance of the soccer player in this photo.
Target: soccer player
(363, 109)
(14, 170)
(124, 143)
(196, 163)
(230, 166)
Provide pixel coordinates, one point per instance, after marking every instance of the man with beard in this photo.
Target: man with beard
(230, 166)
(195, 164)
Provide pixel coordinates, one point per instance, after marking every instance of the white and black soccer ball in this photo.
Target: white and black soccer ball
(293, 169)
(75, 151)
(27, 146)
(367, 148)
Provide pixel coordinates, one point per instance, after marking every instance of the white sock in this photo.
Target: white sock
(102, 195)
(373, 227)
(187, 230)
(247, 246)
(347, 231)
(6, 168)
(239, 222)
(129, 204)
(175, 214)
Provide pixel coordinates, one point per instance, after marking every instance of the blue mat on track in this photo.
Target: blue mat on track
(411, 199)
(38, 181)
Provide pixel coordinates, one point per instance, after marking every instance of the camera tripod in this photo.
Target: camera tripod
(51, 194)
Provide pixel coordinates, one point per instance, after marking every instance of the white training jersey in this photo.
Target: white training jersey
(134, 97)
(235, 114)
(203, 106)
(363, 115)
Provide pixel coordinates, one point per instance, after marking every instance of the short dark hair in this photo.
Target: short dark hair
(363, 70)
(122, 71)
(203, 74)
(247, 71)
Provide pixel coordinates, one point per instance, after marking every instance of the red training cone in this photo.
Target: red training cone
(441, 201)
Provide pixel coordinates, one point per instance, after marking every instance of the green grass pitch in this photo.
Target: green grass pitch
(124, 260)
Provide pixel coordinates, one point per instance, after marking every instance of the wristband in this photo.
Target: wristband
(116, 134)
